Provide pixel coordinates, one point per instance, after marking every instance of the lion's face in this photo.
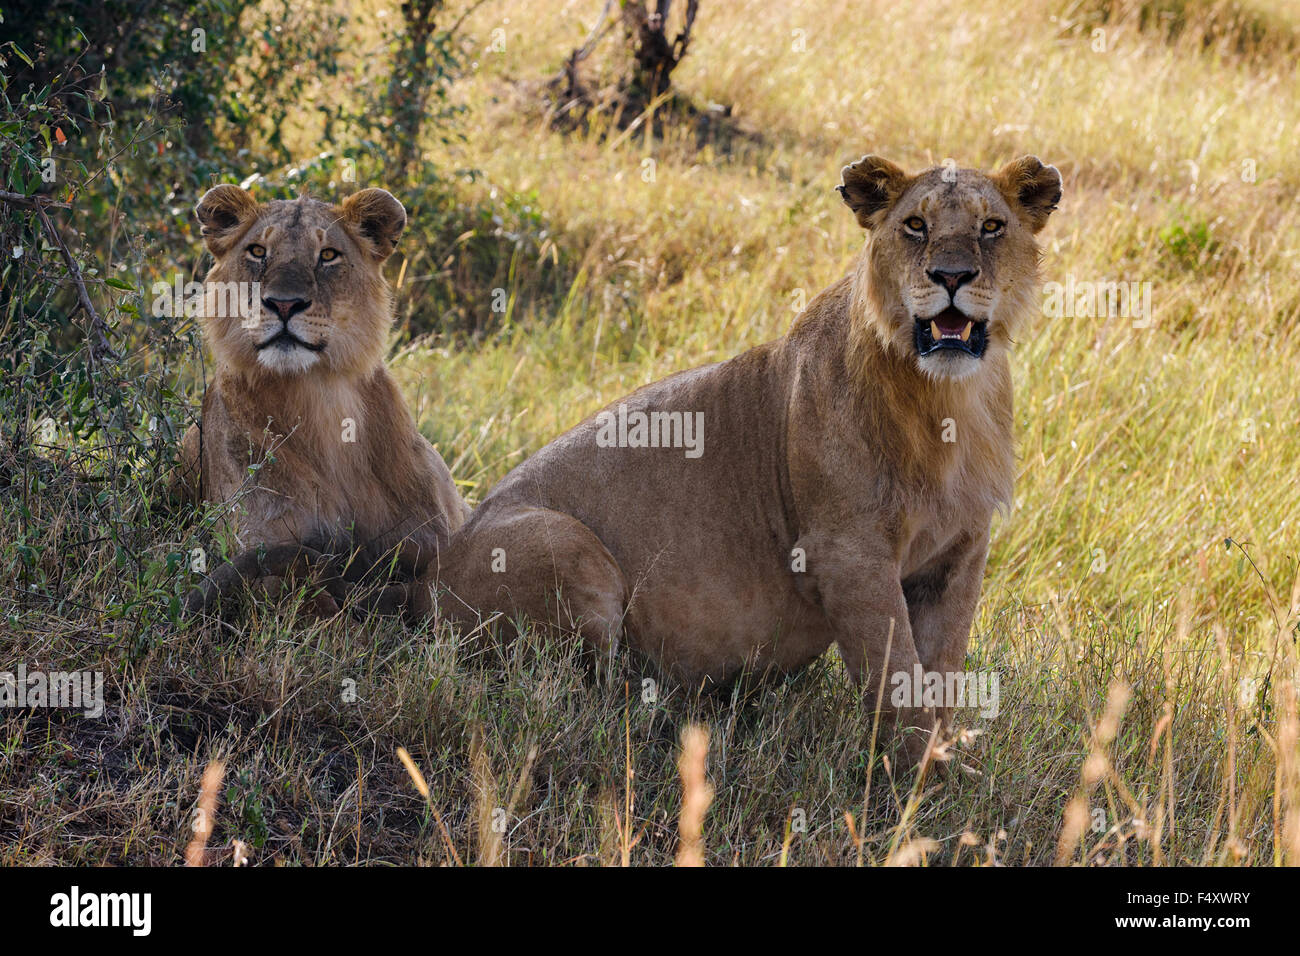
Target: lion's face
(297, 285)
(953, 263)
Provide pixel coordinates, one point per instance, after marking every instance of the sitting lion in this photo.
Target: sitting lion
(304, 435)
(833, 486)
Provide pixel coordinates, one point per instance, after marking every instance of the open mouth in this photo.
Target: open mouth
(950, 329)
(285, 339)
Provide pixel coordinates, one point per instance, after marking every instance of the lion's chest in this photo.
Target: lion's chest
(952, 508)
(932, 537)
(305, 482)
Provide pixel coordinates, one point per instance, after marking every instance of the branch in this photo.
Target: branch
(683, 39)
(582, 52)
(99, 345)
(31, 202)
(464, 16)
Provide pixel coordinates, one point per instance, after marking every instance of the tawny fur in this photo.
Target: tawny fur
(341, 462)
(828, 443)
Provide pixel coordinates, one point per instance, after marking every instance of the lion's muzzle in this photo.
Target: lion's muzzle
(951, 330)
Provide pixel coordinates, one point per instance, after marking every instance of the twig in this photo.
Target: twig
(582, 52)
(464, 16)
(18, 199)
(570, 69)
(99, 345)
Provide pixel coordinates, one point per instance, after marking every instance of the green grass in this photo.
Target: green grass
(1142, 451)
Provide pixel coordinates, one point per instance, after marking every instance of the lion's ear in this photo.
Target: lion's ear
(221, 211)
(869, 186)
(379, 217)
(1032, 186)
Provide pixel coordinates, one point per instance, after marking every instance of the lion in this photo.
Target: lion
(835, 486)
(304, 435)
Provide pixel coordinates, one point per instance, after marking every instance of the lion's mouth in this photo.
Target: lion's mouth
(950, 329)
(284, 339)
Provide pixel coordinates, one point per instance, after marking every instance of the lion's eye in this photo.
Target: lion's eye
(256, 251)
(328, 255)
(991, 226)
(915, 223)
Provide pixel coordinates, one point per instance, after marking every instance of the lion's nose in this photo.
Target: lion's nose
(286, 308)
(952, 281)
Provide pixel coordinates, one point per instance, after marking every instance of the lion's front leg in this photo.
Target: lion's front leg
(266, 572)
(941, 601)
(862, 597)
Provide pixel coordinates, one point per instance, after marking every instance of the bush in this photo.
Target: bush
(115, 119)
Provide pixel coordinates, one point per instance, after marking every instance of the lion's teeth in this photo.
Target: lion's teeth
(965, 333)
(934, 331)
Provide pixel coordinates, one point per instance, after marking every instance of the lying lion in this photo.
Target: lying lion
(833, 486)
(297, 315)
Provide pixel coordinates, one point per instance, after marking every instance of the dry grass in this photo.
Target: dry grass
(1147, 669)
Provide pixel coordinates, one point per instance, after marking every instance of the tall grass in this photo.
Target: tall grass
(1142, 598)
